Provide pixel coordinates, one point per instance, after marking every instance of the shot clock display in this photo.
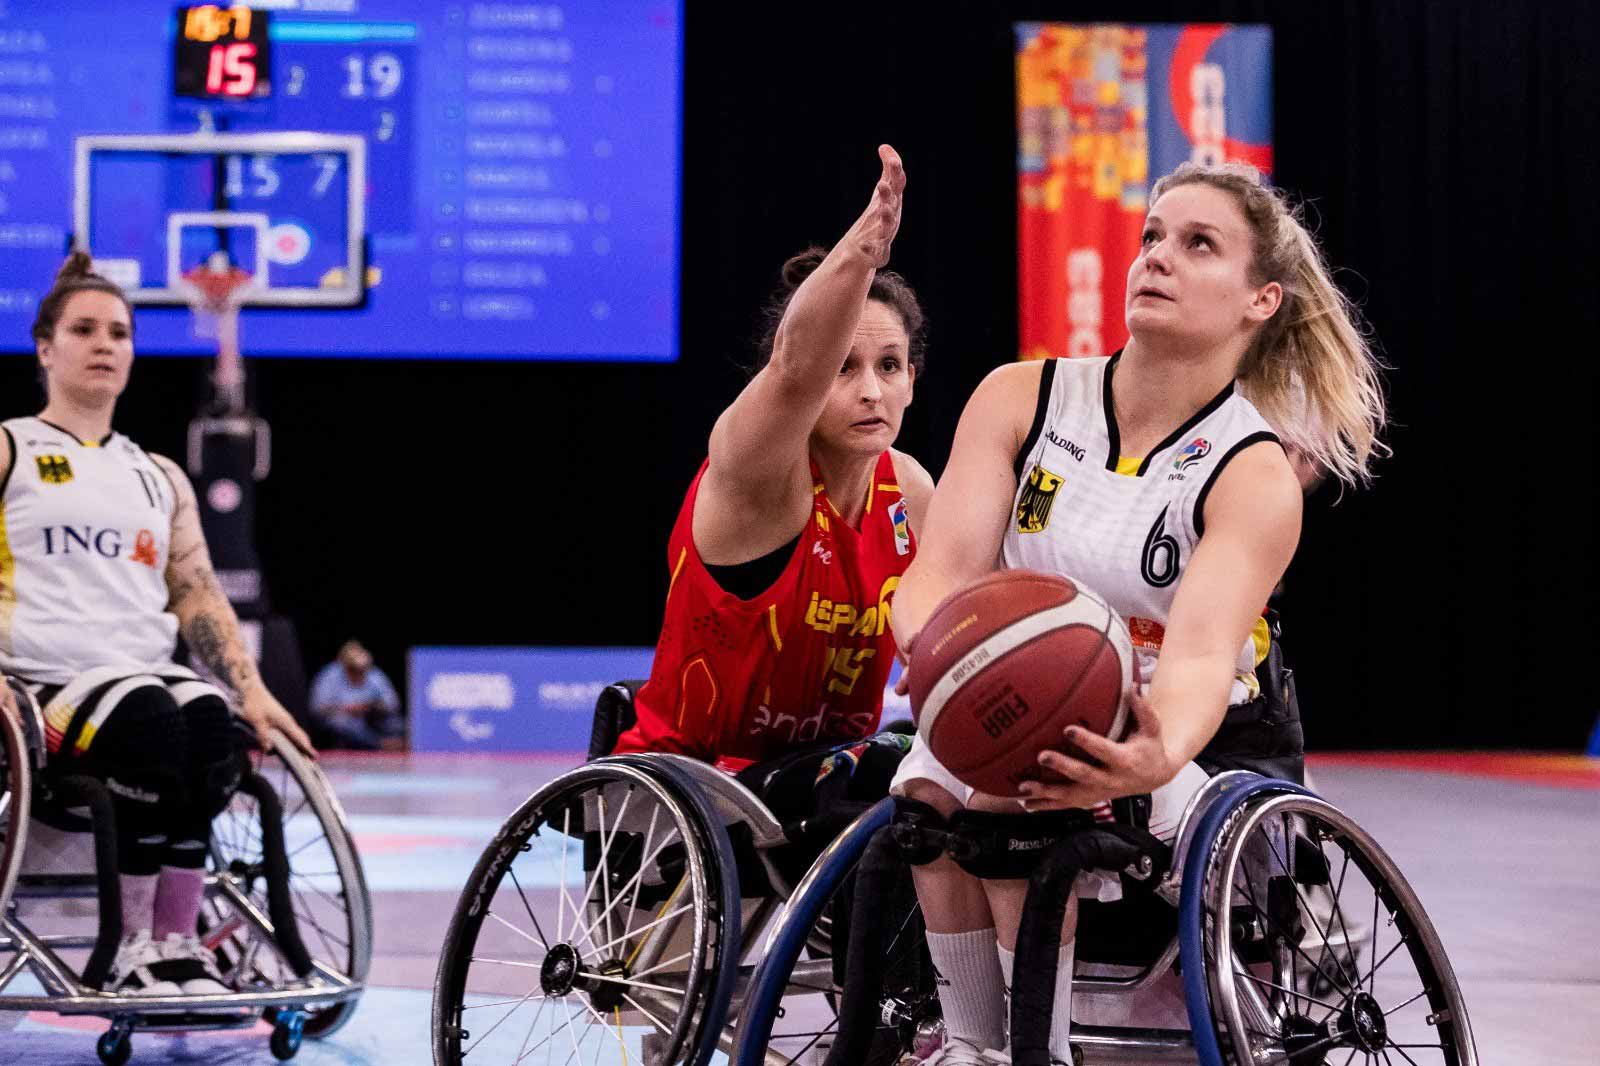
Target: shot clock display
(222, 53)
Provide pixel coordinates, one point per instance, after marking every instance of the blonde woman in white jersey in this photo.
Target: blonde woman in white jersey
(102, 564)
(1155, 478)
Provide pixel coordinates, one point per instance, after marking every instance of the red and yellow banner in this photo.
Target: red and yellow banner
(1102, 111)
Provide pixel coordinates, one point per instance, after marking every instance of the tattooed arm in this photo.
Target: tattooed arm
(207, 620)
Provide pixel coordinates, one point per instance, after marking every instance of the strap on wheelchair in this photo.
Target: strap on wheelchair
(1109, 848)
(280, 906)
(865, 961)
(985, 844)
(90, 792)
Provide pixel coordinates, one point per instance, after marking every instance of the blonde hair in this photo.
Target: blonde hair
(1310, 370)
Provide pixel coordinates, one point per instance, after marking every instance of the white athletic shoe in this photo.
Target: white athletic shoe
(957, 1052)
(186, 962)
(131, 973)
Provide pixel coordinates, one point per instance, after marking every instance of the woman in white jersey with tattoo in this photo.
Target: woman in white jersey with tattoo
(102, 564)
(1155, 478)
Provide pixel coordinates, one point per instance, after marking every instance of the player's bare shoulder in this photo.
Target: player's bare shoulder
(916, 485)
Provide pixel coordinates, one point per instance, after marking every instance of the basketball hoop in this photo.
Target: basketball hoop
(215, 290)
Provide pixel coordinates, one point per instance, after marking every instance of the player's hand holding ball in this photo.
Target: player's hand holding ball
(1021, 677)
(1136, 765)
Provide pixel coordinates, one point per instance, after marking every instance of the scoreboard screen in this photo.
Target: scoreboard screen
(522, 167)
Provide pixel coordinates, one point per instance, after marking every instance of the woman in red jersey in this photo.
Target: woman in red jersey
(793, 536)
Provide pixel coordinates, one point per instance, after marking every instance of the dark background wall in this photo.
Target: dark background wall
(1448, 151)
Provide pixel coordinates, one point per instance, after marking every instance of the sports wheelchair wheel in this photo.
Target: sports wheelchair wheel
(327, 889)
(603, 914)
(1328, 955)
(868, 1018)
(15, 801)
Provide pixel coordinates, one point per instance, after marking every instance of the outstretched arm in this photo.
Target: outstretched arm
(758, 449)
(208, 622)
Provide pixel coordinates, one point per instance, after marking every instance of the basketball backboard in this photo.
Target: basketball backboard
(287, 207)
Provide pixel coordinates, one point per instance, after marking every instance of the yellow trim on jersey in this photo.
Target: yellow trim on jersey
(772, 625)
(1128, 466)
(683, 553)
(884, 486)
(1261, 637)
(8, 583)
(870, 488)
(1261, 640)
(90, 443)
(683, 688)
(817, 488)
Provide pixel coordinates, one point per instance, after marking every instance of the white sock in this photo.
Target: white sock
(138, 902)
(1061, 1016)
(971, 991)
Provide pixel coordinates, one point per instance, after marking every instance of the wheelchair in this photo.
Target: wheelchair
(646, 908)
(286, 908)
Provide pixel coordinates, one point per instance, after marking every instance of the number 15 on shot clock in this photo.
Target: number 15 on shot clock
(222, 53)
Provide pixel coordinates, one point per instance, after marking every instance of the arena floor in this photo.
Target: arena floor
(1501, 848)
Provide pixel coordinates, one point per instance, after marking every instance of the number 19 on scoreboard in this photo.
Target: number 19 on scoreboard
(222, 53)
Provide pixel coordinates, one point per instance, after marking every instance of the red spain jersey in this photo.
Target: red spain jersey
(739, 681)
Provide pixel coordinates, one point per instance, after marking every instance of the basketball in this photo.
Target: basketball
(1008, 662)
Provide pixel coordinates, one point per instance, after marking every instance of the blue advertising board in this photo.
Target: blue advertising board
(507, 700)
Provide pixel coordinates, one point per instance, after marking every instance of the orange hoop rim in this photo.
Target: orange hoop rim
(216, 291)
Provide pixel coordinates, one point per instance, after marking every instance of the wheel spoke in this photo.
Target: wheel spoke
(605, 852)
(600, 949)
(1293, 944)
(629, 983)
(535, 990)
(523, 1051)
(511, 869)
(1407, 1003)
(1403, 1055)
(659, 1024)
(627, 929)
(1305, 905)
(663, 965)
(575, 1053)
(522, 933)
(561, 886)
(507, 962)
(644, 864)
(1247, 975)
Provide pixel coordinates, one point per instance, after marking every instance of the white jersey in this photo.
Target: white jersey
(1125, 528)
(85, 528)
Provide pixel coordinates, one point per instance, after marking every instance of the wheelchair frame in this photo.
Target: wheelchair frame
(777, 930)
(316, 1003)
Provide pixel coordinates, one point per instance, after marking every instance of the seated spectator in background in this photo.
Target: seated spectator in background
(355, 704)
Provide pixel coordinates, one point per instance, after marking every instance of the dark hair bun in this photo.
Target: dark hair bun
(800, 267)
(78, 265)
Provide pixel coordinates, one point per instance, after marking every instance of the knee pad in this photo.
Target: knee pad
(214, 761)
(138, 747)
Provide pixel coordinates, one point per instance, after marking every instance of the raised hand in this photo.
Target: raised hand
(873, 233)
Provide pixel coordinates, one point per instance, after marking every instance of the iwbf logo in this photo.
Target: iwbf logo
(462, 693)
(468, 692)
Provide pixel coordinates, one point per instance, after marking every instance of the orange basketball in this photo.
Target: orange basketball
(1008, 662)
